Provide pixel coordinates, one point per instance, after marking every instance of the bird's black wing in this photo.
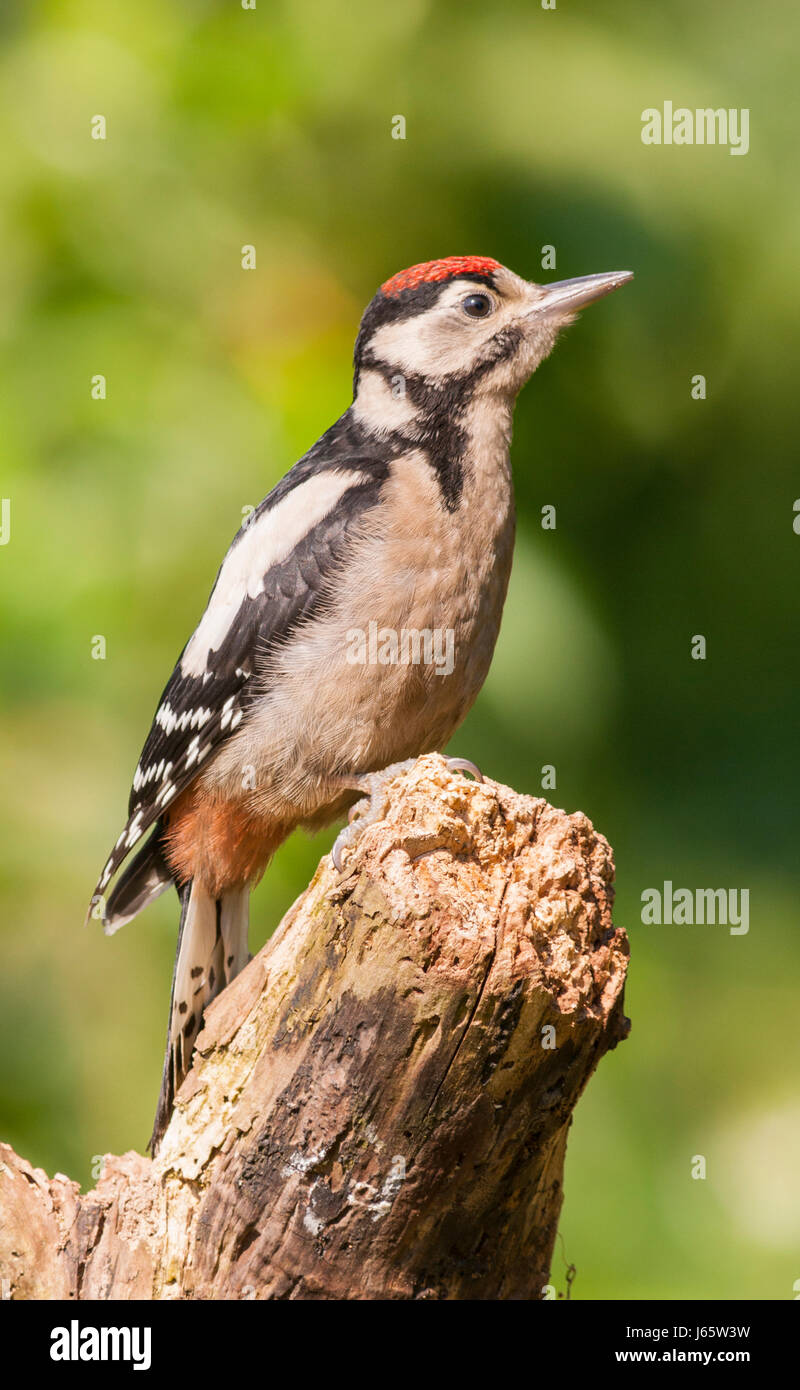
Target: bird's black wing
(274, 578)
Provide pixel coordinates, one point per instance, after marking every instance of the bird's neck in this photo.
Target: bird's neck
(464, 431)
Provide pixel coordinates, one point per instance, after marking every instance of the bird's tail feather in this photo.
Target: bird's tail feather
(147, 876)
(212, 949)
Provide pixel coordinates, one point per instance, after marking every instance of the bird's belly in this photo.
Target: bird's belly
(389, 671)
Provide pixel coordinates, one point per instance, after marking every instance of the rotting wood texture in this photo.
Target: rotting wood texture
(379, 1105)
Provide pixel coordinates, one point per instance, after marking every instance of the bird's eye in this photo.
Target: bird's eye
(477, 305)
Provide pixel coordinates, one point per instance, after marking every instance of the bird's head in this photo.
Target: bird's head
(467, 319)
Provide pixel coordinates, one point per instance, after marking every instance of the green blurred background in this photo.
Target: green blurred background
(123, 257)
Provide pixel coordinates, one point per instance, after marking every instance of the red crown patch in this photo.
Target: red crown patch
(438, 270)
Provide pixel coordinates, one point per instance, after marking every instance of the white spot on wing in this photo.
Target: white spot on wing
(134, 829)
(227, 713)
(169, 721)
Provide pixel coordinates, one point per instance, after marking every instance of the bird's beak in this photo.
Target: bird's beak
(566, 296)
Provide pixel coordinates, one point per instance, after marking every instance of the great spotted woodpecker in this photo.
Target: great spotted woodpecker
(400, 519)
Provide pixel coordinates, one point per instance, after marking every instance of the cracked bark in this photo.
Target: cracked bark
(379, 1104)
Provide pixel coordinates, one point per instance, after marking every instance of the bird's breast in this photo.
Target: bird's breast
(394, 662)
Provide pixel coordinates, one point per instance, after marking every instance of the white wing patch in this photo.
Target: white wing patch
(266, 542)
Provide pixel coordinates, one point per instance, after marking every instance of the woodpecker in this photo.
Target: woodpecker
(399, 520)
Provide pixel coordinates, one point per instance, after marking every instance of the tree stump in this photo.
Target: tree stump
(379, 1104)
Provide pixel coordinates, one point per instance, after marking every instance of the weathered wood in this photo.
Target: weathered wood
(380, 1104)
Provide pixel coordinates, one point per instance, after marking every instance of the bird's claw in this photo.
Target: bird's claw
(371, 807)
(346, 836)
(464, 765)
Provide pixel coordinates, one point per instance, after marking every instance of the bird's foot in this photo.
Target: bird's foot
(369, 809)
(373, 805)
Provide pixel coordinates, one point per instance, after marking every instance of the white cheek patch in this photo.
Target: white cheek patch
(383, 405)
(264, 543)
(443, 340)
(432, 347)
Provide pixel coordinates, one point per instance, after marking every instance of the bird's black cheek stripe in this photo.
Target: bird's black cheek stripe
(443, 412)
(503, 345)
(444, 439)
(439, 427)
